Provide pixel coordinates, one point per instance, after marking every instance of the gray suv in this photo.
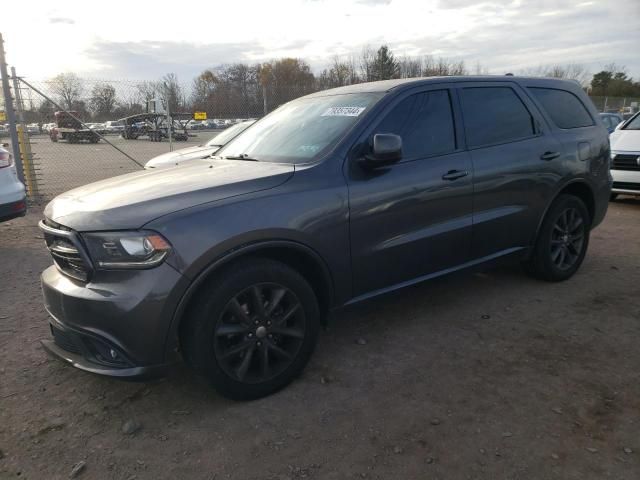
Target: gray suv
(233, 262)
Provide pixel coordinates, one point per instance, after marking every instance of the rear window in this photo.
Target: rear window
(494, 115)
(565, 109)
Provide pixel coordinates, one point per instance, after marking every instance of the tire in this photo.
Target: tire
(613, 197)
(221, 329)
(556, 245)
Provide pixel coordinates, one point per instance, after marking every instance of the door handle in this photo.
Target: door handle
(454, 174)
(549, 155)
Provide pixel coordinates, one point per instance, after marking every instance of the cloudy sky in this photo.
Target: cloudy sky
(116, 39)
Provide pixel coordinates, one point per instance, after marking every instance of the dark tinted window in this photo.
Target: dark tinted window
(425, 123)
(494, 115)
(564, 108)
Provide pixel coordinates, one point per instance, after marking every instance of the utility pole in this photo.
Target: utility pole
(10, 112)
(23, 140)
(169, 121)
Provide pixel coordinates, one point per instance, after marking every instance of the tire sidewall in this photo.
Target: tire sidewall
(211, 306)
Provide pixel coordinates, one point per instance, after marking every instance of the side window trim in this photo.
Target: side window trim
(538, 131)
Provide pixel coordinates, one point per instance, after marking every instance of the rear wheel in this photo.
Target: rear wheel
(252, 329)
(562, 241)
(613, 197)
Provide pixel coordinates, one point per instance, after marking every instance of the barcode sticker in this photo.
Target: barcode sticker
(343, 112)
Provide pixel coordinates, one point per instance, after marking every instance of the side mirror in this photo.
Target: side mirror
(386, 149)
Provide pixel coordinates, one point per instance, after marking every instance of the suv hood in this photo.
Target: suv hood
(132, 200)
(625, 141)
(182, 155)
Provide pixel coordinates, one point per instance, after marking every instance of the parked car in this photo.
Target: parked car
(610, 120)
(331, 199)
(46, 128)
(12, 194)
(625, 158)
(201, 151)
(114, 126)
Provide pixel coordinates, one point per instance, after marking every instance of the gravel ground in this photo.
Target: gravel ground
(487, 375)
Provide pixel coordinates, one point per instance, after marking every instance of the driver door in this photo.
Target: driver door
(413, 218)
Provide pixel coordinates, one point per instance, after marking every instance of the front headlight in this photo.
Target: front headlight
(126, 250)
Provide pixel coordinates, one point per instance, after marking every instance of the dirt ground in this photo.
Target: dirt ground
(488, 375)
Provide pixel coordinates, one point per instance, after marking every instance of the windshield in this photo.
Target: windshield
(225, 136)
(302, 130)
(634, 123)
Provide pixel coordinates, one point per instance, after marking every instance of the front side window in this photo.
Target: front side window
(633, 124)
(425, 123)
(565, 109)
(302, 130)
(494, 115)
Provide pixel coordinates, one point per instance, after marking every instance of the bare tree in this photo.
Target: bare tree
(569, 71)
(367, 59)
(171, 92)
(147, 91)
(68, 88)
(410, 67)
(103, 100)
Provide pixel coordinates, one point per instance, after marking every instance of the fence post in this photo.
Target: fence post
(264, 98)
(24, 142)
(11, 115)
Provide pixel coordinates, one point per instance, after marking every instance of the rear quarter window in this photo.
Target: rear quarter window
(565, 109)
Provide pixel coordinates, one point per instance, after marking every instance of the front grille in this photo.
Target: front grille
(623, 161)
(64, 248)
(64, 340)
(626, 186)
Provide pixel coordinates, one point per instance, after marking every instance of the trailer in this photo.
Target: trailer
(154, 126)
(70, 129)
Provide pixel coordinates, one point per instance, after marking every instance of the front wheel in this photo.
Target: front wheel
(252, 329)
(562, 240)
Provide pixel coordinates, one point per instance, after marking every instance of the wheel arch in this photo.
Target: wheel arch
(298, 256)
(576, 187)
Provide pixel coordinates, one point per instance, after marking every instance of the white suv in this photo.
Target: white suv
(12, 194)
(625, 158)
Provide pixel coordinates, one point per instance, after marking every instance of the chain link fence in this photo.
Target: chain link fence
(93, 140)
(79, 131)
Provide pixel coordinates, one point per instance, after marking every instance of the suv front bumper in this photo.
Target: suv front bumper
(117, 324)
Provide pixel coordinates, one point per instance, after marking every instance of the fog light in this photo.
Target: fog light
(113, 353)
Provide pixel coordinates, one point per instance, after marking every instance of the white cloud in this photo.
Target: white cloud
(107, 40)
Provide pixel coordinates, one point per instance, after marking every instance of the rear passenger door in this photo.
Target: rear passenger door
(586, 144)
(414, 217)
(512, 154)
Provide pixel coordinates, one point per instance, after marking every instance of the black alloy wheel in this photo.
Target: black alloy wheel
(259, 333)
(562, 240)
(252, 328)
(567, 239)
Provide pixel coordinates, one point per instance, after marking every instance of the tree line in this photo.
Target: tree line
(242, 90)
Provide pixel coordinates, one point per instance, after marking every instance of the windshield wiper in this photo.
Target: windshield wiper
(242, 156)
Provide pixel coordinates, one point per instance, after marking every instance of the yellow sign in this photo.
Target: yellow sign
(200, 115)
(3, 116)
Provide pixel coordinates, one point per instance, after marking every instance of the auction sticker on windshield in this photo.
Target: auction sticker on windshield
(343, 112)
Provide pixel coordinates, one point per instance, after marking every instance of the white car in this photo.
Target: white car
(201, 151)
(625, 158)
(114, 126)
(12, 194)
